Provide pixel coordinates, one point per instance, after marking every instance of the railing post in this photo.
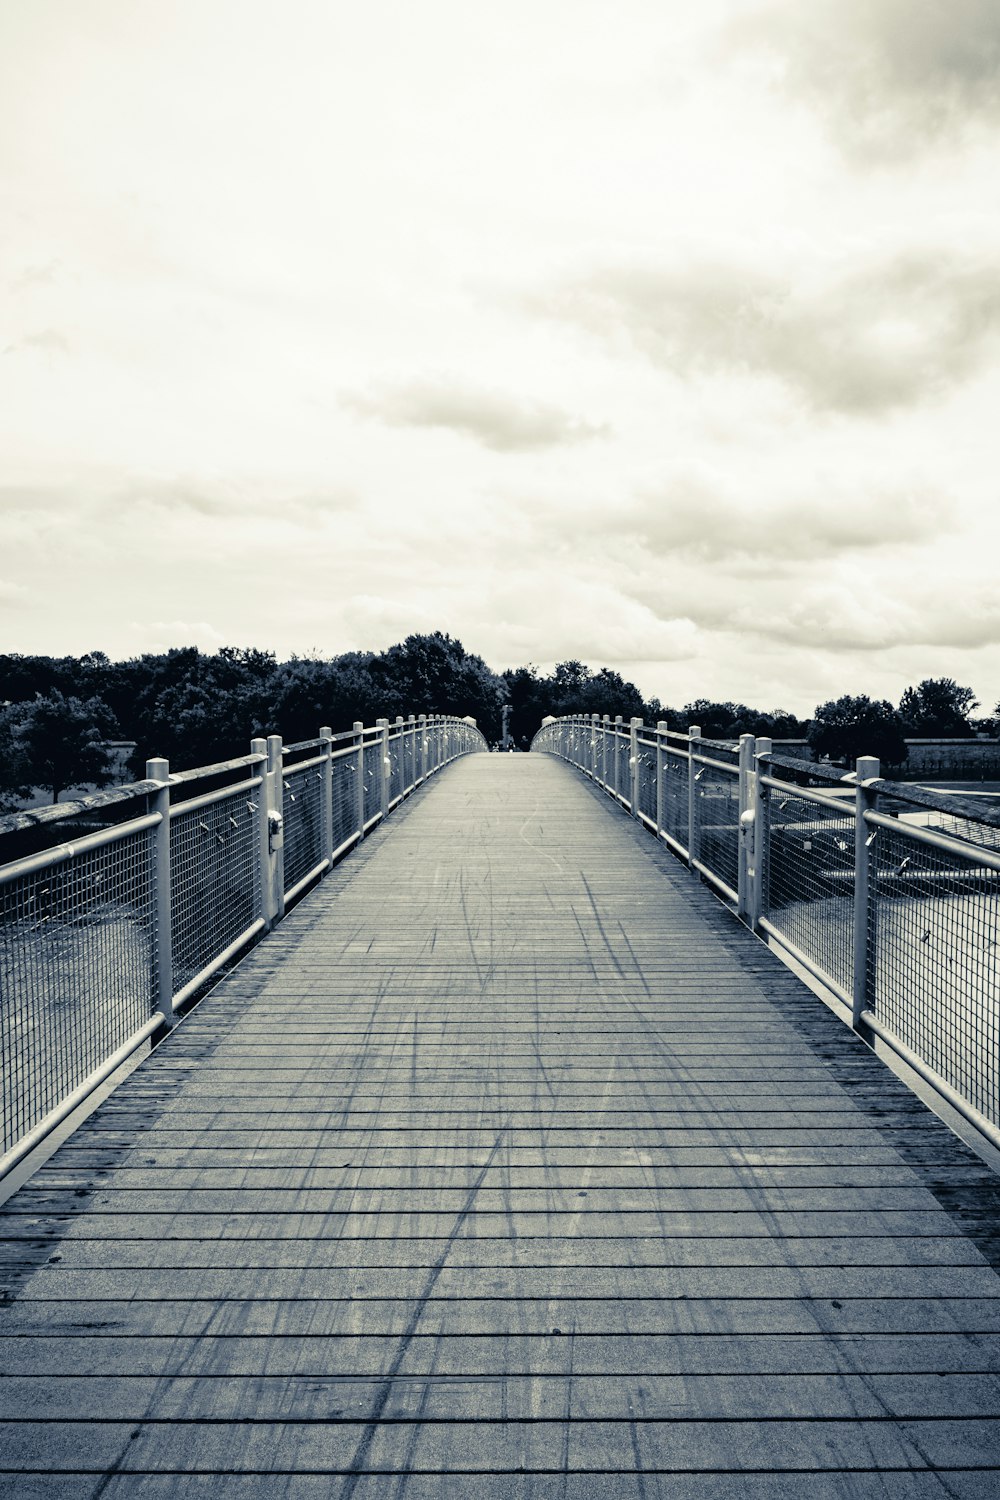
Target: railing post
(422, 732)
(276, 825)
(866, 771)
(694, 735)
(401, 753)
(594, 728)
(259, 747)
(163, 965)
(633, 765)
(744, 826)
(618, 758)
(411, 729)
(359, 766)
(384, 763)
(761, 834)
(326, 735)
(661, 730)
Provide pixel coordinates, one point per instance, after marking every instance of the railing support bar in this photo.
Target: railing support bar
(694, 849)
(163, 966)
(866, 772)
(745, 826)
(326, 838)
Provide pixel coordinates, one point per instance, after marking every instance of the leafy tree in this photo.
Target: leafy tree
(846, 728)
(435, 674)
(727, 721)
(59, 741)
(15, 773)
(938, 706)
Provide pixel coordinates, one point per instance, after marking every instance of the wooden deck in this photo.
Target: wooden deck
(510, 1165)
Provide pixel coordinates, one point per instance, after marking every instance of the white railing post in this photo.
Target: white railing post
(618, 757)
(759, 851)
(401, 753)
(605, 739)
(411, 730)
(259, 747)
(326, 735)
(744, 837)
(163, 966)
(661, 730)
(359, 766)
(866, 771)
(276, 825)
(383, 743)
(422, 746)
(594, 729)
(633, 765)
(694, 735)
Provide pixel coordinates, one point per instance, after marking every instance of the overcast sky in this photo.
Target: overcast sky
(659, 334)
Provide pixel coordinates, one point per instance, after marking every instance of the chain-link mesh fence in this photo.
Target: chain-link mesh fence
(215, 879)
(808, 891)
(345, 797)
(674, 796)
(373, 756)
(933, 931)
(717, 821)
(302, 810)
(76, 973)
(645, 754)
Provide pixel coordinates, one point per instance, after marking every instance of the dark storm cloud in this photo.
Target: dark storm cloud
(507, 424)
(890, 75)
(880, 336)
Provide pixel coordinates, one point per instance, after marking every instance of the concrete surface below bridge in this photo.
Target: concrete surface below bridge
(510, 1165)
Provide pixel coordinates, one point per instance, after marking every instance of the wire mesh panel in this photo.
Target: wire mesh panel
(674, 797)
(373, 779)
(76, 973)
(215, 880)
(717, 820)
(623, 754)
(934, 928)
(809, 880)
(396, 776)
(646, 766)
(302, 810)
(345, 798)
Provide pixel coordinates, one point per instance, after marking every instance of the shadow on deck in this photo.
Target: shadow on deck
(510, 1165)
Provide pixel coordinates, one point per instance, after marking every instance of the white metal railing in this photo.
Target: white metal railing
(886, 894)
(104, 938)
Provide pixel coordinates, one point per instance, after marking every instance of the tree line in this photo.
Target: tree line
(57, 714)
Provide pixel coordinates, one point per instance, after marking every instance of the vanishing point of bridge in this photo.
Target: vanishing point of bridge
(510, 1165)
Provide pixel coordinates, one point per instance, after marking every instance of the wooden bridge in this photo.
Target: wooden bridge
(509, 1166)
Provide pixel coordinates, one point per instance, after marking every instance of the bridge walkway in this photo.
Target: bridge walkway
(510, 1165)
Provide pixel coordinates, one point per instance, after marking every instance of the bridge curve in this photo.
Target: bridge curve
(510, 1154)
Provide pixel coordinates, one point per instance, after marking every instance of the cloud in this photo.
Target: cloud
(862, 342)
(47, 341)
(697, 520)
(507, 424)
(892, 76)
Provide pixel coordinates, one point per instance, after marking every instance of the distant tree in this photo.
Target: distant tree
(15, 775)
(846, 728)
(938, 706)
(435, 674)
(727, 721)
(60, 741)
